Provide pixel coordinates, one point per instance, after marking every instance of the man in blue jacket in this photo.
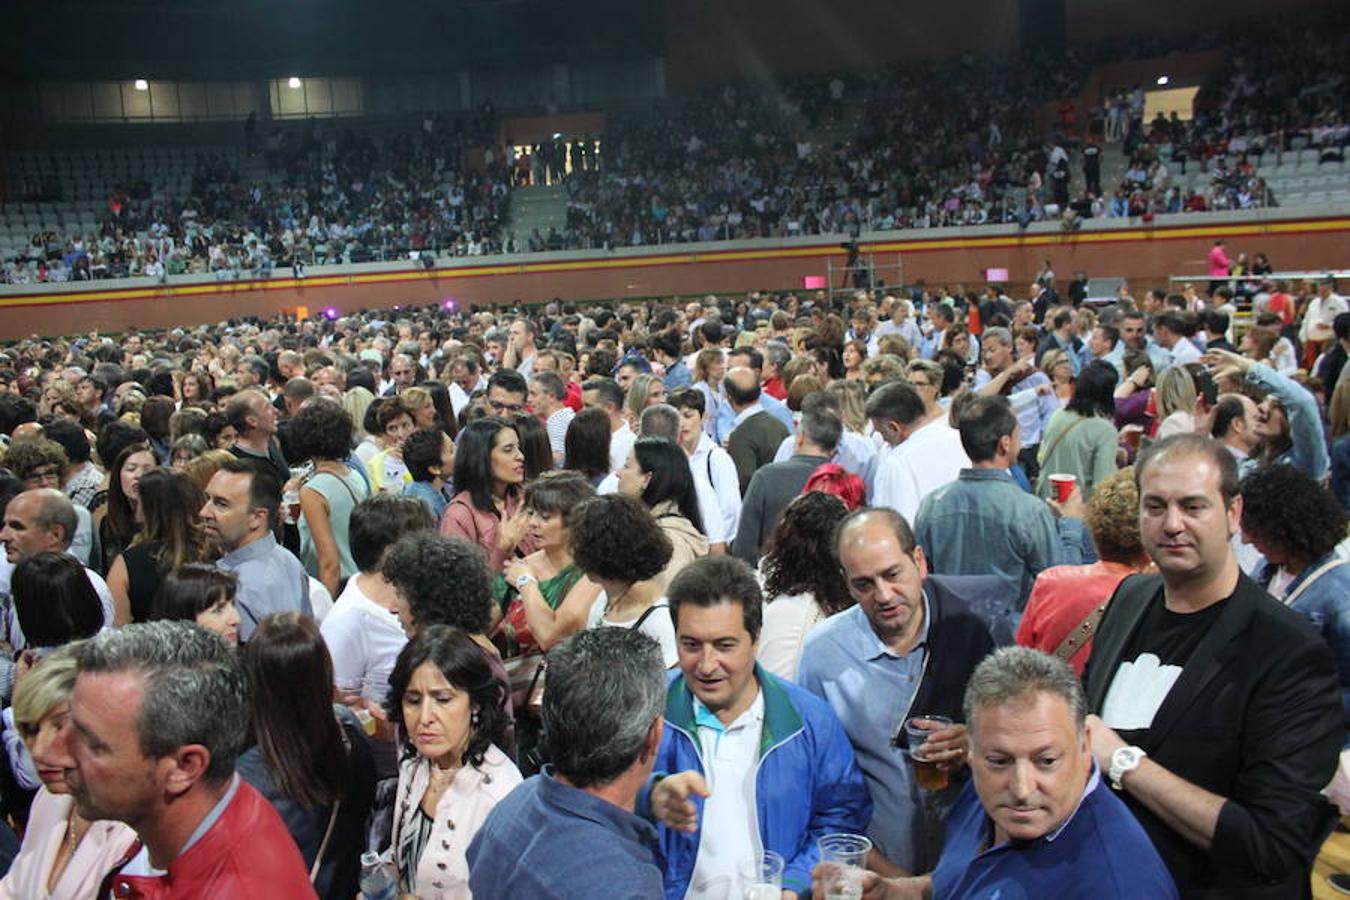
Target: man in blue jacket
(759, 763)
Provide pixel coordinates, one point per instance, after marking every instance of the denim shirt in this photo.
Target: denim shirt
(984, 524)
(1326, 604)
(436, 500)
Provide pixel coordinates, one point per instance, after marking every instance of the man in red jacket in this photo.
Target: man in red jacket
(157, 718)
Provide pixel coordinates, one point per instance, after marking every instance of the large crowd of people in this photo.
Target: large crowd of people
(660, 600)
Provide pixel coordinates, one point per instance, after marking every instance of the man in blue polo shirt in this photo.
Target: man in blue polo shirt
(570, 831)
(1037, 819)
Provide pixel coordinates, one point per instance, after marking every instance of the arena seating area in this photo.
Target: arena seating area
(924, 146)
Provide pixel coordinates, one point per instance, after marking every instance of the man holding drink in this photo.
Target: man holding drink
(893, 669)
(757, 766)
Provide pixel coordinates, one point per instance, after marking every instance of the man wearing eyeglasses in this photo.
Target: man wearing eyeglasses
(506, 392)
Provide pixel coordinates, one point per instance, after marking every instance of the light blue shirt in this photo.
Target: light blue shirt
(728, 419)
(1034, 416)
(870, 690)
(271, 580)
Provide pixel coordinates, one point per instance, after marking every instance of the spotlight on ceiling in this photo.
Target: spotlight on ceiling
(142, 85)
(1162, 80)
(293, 82)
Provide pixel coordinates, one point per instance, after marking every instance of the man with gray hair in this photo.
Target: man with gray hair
(1037, 818)
(157, 720)
(252, 371)
(571, 831)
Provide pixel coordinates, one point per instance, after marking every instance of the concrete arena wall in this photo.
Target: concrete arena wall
(1145, 256)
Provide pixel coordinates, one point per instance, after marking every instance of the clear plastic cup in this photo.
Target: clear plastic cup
(843, 860)
(762, 876)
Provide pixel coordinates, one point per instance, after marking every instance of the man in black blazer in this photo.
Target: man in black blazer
(1217, 708)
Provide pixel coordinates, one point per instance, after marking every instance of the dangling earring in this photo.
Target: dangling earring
(473, 719)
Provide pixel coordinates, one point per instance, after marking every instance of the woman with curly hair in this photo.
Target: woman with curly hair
(1297, 523)
(445, 581)
(453, 770)
(619, 546)
(168, 501)
(1067, 602)
(800, 591)
(657, 472)
(321, 433)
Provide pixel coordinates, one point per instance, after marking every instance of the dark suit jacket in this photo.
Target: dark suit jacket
(754, 443)
(771, 490)
(1255, 717)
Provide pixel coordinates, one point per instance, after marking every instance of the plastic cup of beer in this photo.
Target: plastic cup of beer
(927, 775)
(843, 860)
(762, 876)
(1063, 485)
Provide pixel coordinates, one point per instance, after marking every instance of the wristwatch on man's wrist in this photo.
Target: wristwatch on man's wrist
(1126, 759)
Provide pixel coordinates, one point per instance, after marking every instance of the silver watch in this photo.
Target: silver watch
(524, 579)
(1126, 759)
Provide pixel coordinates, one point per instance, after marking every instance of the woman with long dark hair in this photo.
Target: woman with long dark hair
(586, 446)
(119, 519)
(487, 509)
(453, 772)
(308, 756)
(800, 592)
(1081, 439)
(534, 445)
(170, 536)
(657, 473)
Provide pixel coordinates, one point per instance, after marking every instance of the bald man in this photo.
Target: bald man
(756, 434)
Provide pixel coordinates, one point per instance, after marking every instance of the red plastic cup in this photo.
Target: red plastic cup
(1063, 485)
